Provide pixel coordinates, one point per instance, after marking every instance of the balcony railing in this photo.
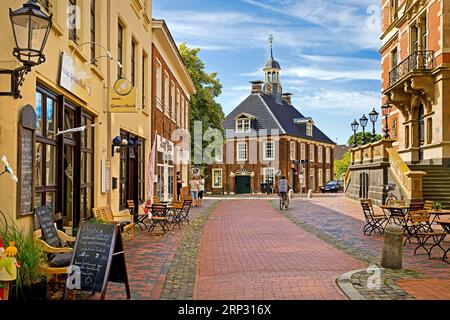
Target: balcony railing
(419, 60)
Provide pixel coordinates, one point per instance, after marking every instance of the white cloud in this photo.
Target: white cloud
(339, 102)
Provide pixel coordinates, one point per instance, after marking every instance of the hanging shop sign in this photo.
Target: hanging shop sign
(123, 98)
(74, 77)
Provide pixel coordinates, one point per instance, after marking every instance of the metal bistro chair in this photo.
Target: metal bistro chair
(159, 217)
(420, 228)
(184, 211)
(374, 222)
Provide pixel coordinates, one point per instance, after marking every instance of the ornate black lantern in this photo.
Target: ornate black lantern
(386, 112)
(31, 28)
(355, 126)
(373, 118)
(363, 122)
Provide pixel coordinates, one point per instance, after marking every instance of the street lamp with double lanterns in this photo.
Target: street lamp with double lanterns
(363, 122)
(373, 118)
(355, 126)
(386, 112)
(31, 28)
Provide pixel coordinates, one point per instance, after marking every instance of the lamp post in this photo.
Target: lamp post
(31, 28)
(355, 126)
(373, 118)
(363, 122)
(386, 111)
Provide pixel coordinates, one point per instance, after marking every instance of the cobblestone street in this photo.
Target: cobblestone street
(245, 249)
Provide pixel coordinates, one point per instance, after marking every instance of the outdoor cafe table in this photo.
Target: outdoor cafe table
(388, 208)
(445, 224)
(438, 213)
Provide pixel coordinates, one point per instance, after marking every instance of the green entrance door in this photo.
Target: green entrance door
(243, 185)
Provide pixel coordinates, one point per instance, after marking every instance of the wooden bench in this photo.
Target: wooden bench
(106, 215)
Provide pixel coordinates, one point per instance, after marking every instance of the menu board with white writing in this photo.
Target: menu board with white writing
(92, 254)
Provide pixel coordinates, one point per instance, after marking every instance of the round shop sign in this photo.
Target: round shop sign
(123, 87)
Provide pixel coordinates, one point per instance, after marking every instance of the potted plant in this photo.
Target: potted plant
(437, 206)
(30, 283)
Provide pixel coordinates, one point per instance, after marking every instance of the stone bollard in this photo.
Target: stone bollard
(310, 192)
(392, 255)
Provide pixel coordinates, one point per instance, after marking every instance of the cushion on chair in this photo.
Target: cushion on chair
(61, 260)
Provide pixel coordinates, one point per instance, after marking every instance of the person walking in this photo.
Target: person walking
(201, 190)
(179, 185)
(194, 188)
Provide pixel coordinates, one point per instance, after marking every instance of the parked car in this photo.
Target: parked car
(331, 186)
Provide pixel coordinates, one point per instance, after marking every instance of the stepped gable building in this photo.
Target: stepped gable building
(264, 135)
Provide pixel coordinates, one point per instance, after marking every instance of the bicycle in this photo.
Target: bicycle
(284, 200)
(389, 188)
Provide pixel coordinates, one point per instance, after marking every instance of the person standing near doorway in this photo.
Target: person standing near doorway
(179, 185)
(194, 188)
(201, 190)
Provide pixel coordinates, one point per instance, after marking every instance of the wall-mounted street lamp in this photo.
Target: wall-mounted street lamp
(386, 112)
(31, 28)
(373, 118)
(355, 126)
(119, 143)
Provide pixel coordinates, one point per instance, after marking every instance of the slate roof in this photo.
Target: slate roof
(272, 63)
(271, 115)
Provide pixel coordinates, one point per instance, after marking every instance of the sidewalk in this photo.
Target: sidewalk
(149, 257)
(341, 220)
(250, 251)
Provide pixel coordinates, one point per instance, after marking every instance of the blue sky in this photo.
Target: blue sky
(328, 51)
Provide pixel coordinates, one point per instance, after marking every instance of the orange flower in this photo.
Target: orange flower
(11, 251)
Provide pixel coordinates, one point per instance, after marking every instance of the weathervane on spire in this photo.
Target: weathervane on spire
(271, 45)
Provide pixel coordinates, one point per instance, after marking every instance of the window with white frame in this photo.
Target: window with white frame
(269, 175)
(241, 151)
(182, 112)
(166, 94)
(320, 177)
(172, 101)
(293, 150)
(303, 151)
(243, 124)
(312, 153)
(319, 154)
(269, 150)
(178, 106)
(217, 178)
(309, 129)
(158, 85)
(328, 175)
(328, 155)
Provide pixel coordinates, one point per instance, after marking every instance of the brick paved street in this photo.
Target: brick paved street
(341, 221)
(250, 251)
(149, 257)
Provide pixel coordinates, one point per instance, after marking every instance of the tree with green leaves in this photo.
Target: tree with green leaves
(204, 107)
(341, 166)
(359, 136)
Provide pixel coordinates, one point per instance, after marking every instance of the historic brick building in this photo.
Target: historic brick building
(415, 61)
(263, 136)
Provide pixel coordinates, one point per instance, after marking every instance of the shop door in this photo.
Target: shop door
(69, 221)
(243, 185)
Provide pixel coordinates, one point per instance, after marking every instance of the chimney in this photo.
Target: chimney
(257, 86)
(287, 98)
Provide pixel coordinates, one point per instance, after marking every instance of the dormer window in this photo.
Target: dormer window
(309, 129)
(243, 123)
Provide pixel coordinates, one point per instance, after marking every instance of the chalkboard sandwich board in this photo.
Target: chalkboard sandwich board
(49, 232)
(98, 258)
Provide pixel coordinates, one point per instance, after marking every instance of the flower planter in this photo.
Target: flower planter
(37, 291)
